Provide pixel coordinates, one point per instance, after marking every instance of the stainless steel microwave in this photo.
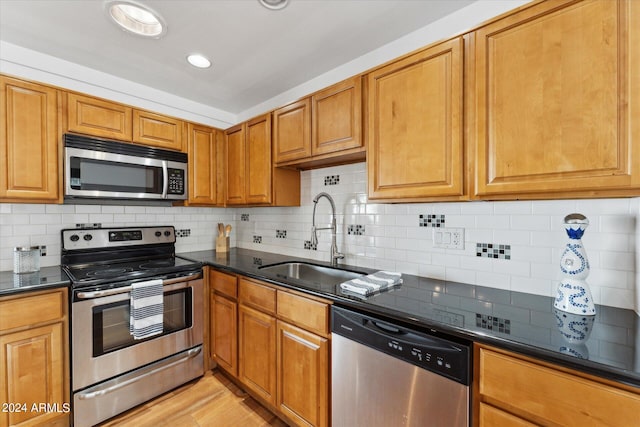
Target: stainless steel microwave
(101, 169)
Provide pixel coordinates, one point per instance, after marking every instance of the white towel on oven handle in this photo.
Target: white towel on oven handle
(146, 309)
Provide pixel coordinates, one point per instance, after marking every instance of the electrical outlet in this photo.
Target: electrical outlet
(448, 238)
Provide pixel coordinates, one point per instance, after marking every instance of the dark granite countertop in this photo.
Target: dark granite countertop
(607, 344)
(47, 277)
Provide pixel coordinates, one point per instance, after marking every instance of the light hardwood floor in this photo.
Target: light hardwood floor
(211, 401)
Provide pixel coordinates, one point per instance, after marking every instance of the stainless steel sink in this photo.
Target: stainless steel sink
(313, 273)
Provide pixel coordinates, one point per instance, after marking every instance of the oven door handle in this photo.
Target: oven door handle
(126, 289)
(101, 392)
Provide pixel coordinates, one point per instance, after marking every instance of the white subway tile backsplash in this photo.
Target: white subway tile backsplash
(393, 238)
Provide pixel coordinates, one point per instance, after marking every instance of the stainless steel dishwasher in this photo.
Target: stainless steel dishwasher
(388, 375)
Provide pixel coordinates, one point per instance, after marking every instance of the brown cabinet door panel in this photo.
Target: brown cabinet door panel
(554, 100)
(258, 352)
(97, 117)
(157, 130)
(259, 165)
(415, 147)
(337, 117)
(224, 333)
(236, 165)
(203, 164)
(292, 131)
(29, 139)
(303, 375)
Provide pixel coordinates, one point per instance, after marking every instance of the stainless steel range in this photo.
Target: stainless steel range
(115, 366)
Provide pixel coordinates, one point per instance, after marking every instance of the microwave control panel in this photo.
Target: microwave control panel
(176, 181)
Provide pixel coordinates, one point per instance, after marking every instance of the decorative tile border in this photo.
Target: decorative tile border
(493, 323)
(355, 230)
(257, 239)
(186, 232)
(281, 234)
(491, 250)
(244, 217)
(431, 220)
(332, 180)
(308, 245)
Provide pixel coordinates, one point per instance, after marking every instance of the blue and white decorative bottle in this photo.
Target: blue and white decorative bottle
(574, 295)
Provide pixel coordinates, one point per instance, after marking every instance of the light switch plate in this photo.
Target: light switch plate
(448, 237)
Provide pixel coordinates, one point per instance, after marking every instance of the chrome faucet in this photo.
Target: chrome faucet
(335, 255)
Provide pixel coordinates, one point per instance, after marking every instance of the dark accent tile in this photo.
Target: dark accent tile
(308, 245)
(186, 232)
(281, 234)
(493, 323)
(257, 239)
(244, 217)
(355, 230)
(257, 261)
(491, 250)
(332, 180)
(431, 220)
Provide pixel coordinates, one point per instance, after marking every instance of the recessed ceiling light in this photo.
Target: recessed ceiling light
(136, 18)
(198, 60)
(274, 4)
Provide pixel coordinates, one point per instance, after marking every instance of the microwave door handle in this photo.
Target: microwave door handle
(165, 179)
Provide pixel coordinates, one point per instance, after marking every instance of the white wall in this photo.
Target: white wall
(38, 225)
(393, 239)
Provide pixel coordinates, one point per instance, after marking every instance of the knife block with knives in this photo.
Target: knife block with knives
(222, 240)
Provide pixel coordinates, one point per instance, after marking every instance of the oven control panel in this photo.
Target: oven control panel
(92, 238)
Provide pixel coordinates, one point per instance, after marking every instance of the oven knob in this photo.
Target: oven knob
(87, 237)
(158, 234)
(167, 233)
(74, 238)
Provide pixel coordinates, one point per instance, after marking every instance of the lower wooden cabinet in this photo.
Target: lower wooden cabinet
(515, 390)
(224, 332)
(223, 320)
(303, 381)
(281, 360)
(258, 353)
(33, 359)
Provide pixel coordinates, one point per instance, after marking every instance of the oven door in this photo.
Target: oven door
(90, 173)
(102, 344)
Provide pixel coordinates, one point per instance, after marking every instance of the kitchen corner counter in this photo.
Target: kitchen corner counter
(605, 345)
(46, 278)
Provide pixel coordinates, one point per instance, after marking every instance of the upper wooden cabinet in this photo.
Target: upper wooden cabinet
(556, 110)
(157, 130)
(98, 117)
(415, 126)
(29, 142)
(107, 119)
(292, 131)
(204, 147)
(251, 177)
(335, 117)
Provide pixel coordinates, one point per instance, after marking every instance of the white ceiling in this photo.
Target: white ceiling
(256, 53)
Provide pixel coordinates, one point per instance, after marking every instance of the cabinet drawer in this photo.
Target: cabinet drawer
(31, 310)
(490, 416)
(223, 283)
(546, 395)
(258, 296)
(306, 313)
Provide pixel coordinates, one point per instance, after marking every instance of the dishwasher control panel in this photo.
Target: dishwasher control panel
(445, 357)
